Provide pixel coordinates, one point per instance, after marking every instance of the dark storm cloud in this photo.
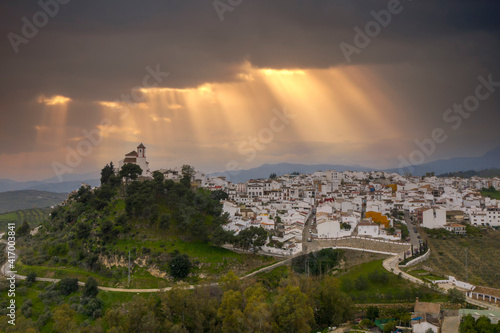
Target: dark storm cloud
(98, 50)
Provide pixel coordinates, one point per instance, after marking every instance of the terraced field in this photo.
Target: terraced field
(448, 257)
(33, 216)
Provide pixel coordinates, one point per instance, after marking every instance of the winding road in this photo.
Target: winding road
(5, 272)
(390, 264)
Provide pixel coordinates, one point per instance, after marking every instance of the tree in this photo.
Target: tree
(366, 323)
(468, 324)
(220, 236)
(23, 230)
(456, 296)
(390, 327)
(332, 306)
(292, 313)
(130, 171)
(187, 175)
(483, 325)
(219, 195)
(68, 286)
(429, 330)
(180, 266)
(30, 278)
(230, 281)
(372, 313)
(107, 174)
(64, 319)
(253, 237)
(82, 230)
(91, 289)
(273, 176)
(230, 311)
(257, 310)
(158, 179)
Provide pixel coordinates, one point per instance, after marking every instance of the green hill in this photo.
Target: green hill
(156, 222)
(26, 199)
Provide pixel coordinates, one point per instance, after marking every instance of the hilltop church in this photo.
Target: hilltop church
(137, 157)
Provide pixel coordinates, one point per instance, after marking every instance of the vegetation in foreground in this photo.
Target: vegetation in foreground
(479, 325)
(276, 301)
(279, 301)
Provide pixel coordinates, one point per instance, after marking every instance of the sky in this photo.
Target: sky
(231, 84)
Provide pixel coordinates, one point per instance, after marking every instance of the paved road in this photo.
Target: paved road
(391, 264)
(305, 233)
(415, 241)
(4, 272)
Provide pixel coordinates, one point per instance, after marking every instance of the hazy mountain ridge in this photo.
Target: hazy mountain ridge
(490, 160)
(68, 184)
(19, 200)
(280, 169)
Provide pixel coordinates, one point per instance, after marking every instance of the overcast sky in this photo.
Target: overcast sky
(269, 83)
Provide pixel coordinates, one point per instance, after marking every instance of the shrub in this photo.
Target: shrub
(30, 278)
(180, 266)
(68, 286)
(90, 289)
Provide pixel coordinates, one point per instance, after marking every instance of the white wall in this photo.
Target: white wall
(434, 218)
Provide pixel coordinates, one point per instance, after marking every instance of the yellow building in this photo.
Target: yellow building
(379, 218)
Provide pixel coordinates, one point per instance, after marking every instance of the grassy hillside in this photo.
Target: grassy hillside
(19, 200)
(483, 247)
(33, 216)
(371, 283)
(155, 222)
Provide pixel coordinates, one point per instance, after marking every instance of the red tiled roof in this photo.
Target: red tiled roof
(132, 153)
(130, 160)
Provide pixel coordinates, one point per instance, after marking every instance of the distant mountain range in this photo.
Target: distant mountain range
(72, 182)
(68, 184)
(18, 200)
(489, 160)
(280, 169)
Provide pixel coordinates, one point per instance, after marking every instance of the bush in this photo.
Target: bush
(68, 286)
(361, 283)
(30, 279)
(180, 266)
(90, 289)
(372, 313)
(456, 296)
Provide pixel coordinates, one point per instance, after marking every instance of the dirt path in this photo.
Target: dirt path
(451, 324)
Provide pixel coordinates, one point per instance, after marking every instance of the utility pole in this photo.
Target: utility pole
(129, 268)
(466, 265)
